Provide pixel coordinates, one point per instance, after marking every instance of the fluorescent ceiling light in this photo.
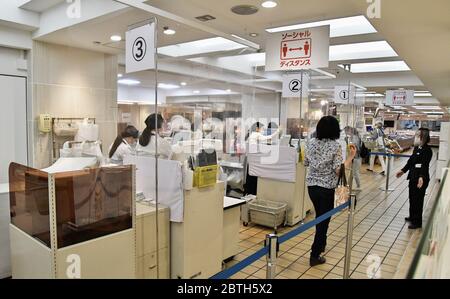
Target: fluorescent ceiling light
(269, 4)
(196, 91)
(215, 44)
(338, 27)
(183, 83)
(167, 86)
(370, 95)
(427, 107)
(423, 94)
(380, 49)
(116, 38)
(379, 67)
(119, 75)
(437, 113)
(399, 108)
(129, 82)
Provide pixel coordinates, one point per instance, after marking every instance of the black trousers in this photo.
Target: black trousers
(323, 201)
(416, 200)
(251, 185)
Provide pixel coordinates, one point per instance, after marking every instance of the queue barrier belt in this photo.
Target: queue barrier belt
(227, 273)
(390, 155)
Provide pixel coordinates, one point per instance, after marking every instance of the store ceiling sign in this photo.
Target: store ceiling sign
(140, 48)
(295, 85)
(344, 94)
(299, 49)
(400, 97)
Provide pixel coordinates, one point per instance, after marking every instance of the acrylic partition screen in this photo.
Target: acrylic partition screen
(29, 201)
(432, 259)
(93, 203)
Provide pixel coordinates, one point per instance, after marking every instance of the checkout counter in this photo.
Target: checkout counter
(196, 217)
(281, 178)
(231, 226)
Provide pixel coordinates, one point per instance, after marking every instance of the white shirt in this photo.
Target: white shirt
(164, 148)
(123, 150)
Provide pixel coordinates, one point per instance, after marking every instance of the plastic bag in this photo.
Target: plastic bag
(87, 132)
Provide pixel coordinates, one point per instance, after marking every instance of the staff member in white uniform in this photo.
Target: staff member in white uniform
(123, 145)
(147, 141)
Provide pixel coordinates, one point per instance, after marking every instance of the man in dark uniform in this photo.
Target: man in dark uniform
(418, 167)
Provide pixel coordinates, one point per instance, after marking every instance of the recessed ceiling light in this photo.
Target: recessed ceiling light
(269, 4)
(167, 86)
(338, 27)
(119, 75)
(378, 67)
(183, 83)
(168, 31)
(129, 82)
(253, 34)
(116, 38)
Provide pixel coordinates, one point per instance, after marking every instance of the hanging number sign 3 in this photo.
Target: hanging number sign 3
(140, 48)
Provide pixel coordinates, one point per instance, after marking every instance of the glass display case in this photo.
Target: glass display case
(64, 216)
(89, 204)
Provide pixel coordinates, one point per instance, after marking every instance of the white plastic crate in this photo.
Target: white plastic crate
(267, 213)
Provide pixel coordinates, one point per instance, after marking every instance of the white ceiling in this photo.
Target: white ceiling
(40, 5)
(403, 23)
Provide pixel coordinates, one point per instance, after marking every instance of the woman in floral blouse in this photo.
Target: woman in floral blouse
(324, 159)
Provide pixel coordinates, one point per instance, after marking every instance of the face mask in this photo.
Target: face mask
(417, 141)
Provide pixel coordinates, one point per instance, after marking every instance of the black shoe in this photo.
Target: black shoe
(313, 261)
(415, 226)
(407, 219)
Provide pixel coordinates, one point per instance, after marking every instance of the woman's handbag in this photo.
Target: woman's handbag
(342, 194)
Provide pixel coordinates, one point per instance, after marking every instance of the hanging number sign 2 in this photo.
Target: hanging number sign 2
(295, 85)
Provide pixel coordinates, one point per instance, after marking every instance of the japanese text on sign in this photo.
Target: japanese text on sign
(299, 49)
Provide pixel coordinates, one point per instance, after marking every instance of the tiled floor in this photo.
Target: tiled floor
(379, 241)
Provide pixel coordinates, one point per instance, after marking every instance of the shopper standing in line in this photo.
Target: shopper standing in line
(418, 167)
(352, 137)
(324, 160)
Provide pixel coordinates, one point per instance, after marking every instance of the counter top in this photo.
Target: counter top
(230, 202)
(147, 208)
(231, 164)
